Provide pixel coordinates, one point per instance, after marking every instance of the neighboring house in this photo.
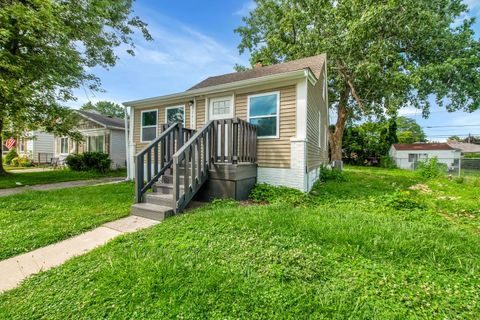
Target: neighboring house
(407, 156)
(37, 146)
(287, 104)
(465, 148)
(101, 134)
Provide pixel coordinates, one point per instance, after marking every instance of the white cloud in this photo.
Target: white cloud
(409, 111)
(246, 8)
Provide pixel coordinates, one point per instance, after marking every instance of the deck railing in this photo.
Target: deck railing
(152, 162)
(219, 141)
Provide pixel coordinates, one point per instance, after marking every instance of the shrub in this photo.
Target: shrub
(272, 194)
(23, 161)
(89, 161)
(387, 162)
(431, 168)
(12, 154)
(329, 173)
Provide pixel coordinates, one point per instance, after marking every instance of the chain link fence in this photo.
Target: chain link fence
(469, 167)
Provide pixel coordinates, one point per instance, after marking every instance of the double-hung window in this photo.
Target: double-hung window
(64, 145)
(263, 112)
(175, 114)
(149, 125)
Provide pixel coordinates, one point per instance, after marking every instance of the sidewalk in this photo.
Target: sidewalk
(60, 185)
(16, 269)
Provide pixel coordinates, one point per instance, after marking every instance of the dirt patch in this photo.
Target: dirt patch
(421, 187)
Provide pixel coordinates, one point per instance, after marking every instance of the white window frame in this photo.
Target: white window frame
(142, 126)
(277, 135)
(225, 98)
(61, 145)
(181, 106)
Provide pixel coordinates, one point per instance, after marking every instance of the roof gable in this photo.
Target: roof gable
(422, 146)
(109, 122)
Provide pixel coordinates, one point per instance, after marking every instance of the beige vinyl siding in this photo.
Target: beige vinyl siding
(274, 153)
(317, 152)
(200, 114)
(160, 120)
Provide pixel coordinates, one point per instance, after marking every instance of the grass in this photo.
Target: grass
(35, 219)
(354, 253)
(12, 180)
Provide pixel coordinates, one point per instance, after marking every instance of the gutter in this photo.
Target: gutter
(127, 146)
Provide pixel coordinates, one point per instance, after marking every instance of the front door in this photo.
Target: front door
(221, 108)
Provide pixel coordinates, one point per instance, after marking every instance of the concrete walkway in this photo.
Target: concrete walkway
(60, 185)
(16, 269)
(30, 170)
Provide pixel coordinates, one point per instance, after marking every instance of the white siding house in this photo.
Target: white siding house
(37, 146)
(407, 156)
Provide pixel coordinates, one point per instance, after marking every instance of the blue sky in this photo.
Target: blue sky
(195, 39)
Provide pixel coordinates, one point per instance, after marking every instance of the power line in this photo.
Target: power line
(456, 126)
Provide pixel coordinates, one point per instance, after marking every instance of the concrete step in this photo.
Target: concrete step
(169, 171)
(165, 188)
(159, 199)
(168, 178)
(151, 211)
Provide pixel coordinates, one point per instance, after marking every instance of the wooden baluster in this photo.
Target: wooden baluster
(193, 164)
(176, 182)
(204, 149)
(155, 159)
(230, 140)
(149, 165)
(222, 141)
(186, 173)
(162, 153)
(235, 141)
(214, 138)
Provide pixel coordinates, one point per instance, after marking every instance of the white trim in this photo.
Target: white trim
(301, 114)
(293, 75)
(96, 136)
(193, 113)
(180, 106)
(224, 98)
(142, 126)
(267, 116)
(207, 102)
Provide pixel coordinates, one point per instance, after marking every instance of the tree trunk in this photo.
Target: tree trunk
(337, 136)
(2, 170)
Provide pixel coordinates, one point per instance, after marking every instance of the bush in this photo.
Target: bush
(431, 168)
(387, 162)
(12, 154)
(403, 200)
(329, 173)
(21, 162)
(89, 161)
(271, 194)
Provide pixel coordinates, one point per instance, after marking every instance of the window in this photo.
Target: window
(96, 143)
(175, 114)
(149, 125)
(263, 112)
(21, 145)
(220, 108)
(64, 145)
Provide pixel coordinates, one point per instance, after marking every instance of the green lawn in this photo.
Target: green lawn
(35, 219)
(12, 180)
(353, 253)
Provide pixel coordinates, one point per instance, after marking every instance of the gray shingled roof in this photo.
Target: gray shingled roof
(422, 146)
(105, 120)
(315, 64)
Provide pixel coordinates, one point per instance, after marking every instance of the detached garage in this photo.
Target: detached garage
(407, 156)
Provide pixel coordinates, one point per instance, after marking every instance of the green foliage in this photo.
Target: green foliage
(328, 173)
(21, 161)
(89, 161)
(368, 142)
(12, 154)
(409, 131)
(403, 200)
(272, 194)
(387, 162)
(459, 180)
(381, 55)
(49, 48)
(472, 155)
(431, 168)
(107, 108)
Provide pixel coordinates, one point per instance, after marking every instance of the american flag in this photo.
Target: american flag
(10, 143)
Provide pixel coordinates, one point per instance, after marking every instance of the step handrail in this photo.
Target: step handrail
(163, 147)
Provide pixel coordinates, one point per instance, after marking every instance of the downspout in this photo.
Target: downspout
(127, 144)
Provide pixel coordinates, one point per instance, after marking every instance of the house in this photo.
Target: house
(465, 148)
(268, 124)
(407, 156)
(101, 134)
(38, 146)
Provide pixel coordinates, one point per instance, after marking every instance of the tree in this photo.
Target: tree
(382, 55)
(409, 131)
(454, 138)
(48, 47)
(106, 108)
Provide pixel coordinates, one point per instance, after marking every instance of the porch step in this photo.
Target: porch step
(165, 188)
(168, 178)
(159, 199)
(151, 211)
